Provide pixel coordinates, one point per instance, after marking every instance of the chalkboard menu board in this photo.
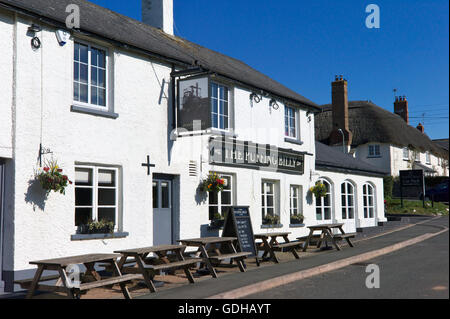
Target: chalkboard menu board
(411, 178)
(239, 224)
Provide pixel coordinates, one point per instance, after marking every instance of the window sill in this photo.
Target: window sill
(272, 226)
(80, 237)
(293, 141)
(91, 111)
(296, 225)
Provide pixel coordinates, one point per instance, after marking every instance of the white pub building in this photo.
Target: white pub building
(137, 118)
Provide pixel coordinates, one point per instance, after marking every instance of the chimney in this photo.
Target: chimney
(159, 14)
(401, 107)
(421, 128)
(339, 98)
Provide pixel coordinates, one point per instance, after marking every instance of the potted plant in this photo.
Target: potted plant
(297, 219)
(97, 227)
(319, 190)
(271, 220)
(51, 178)
(213, 183)
(217, 221)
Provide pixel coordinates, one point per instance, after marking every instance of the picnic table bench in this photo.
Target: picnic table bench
(150, 267)
(210, 249)
(64, 284)
(327, 234)
(269, 247)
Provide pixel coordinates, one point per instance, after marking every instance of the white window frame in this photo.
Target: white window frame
(417, 157)
(228, 115)
(264, 194)
(106, 107)
(95, 187)
(298, 198)
(287, 122)
(366, 202)
(427, 158)
(405, 153)
(345, 196)
(373, 150)
(219, 204)
(320, 202)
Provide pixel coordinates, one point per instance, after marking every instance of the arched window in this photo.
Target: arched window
(348, 200)
(368, 201)
(324, 204)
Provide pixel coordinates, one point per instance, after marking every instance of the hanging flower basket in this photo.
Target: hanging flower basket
(213, 183)
(319, 190)
(51, 178)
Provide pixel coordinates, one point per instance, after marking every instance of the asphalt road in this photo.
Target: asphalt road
(419, 271)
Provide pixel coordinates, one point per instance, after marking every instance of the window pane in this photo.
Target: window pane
(94, 76)
(106, 197)
(106, 178)
(101, 59)
(350, 201)
(327, 212)
(102, 78)
(107, 214)
(76, 52)
(94, 95)
(318, 214)
(155, 195)
(82, 216)
(214, 90)
(76, 91)
(83, 176)
(83, 53)
(226, 198)
(165, 195)
(351, 213)
(94, 57)
(326, 200)
(83, 73)
(371, 212)
(212, 211)
(76, 71)
(102, 97)
(213, 198)
(343, 188)
(83, 196)
(263, 201)
(215, 121)
(84, 93)
(344, 213)
(343, 203)
(270, 211)
(270, 201)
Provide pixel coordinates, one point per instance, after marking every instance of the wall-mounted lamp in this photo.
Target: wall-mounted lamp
(273, 103)
(308, 115)
(255, 97)
(35, 41)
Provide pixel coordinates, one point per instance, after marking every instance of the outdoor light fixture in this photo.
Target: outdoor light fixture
(273, 103)
(255, 97)
(34, 28)
(35, 41)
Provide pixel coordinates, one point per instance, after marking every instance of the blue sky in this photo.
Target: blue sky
(303, 44)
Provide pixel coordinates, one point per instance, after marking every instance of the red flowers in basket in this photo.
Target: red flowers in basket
(213, 183)
(52, 179)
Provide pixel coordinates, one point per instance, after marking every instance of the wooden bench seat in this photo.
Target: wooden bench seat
(25, 283)
(287, 246)
(108, 281)
(343, 236)
(174, 265)
(231, 256)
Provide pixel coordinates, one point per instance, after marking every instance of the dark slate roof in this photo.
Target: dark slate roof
(113, 26)
(442, 143)
(329, 158)
(371, 123)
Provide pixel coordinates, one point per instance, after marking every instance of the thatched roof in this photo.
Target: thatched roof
(370, 123)
(442, 143)
(99, 21)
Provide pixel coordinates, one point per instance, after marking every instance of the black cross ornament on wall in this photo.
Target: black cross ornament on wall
(148, 165)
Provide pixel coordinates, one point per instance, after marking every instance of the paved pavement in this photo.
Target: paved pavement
(402, 265)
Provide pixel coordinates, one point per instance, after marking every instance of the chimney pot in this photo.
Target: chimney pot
(401, 107)
(159, 14)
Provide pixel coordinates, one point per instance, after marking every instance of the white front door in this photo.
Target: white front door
(162, 212)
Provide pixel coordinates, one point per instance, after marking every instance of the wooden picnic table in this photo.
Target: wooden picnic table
(148, 267)
(210, 250)
(327, 234)
(269, 247)
(63, 284)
